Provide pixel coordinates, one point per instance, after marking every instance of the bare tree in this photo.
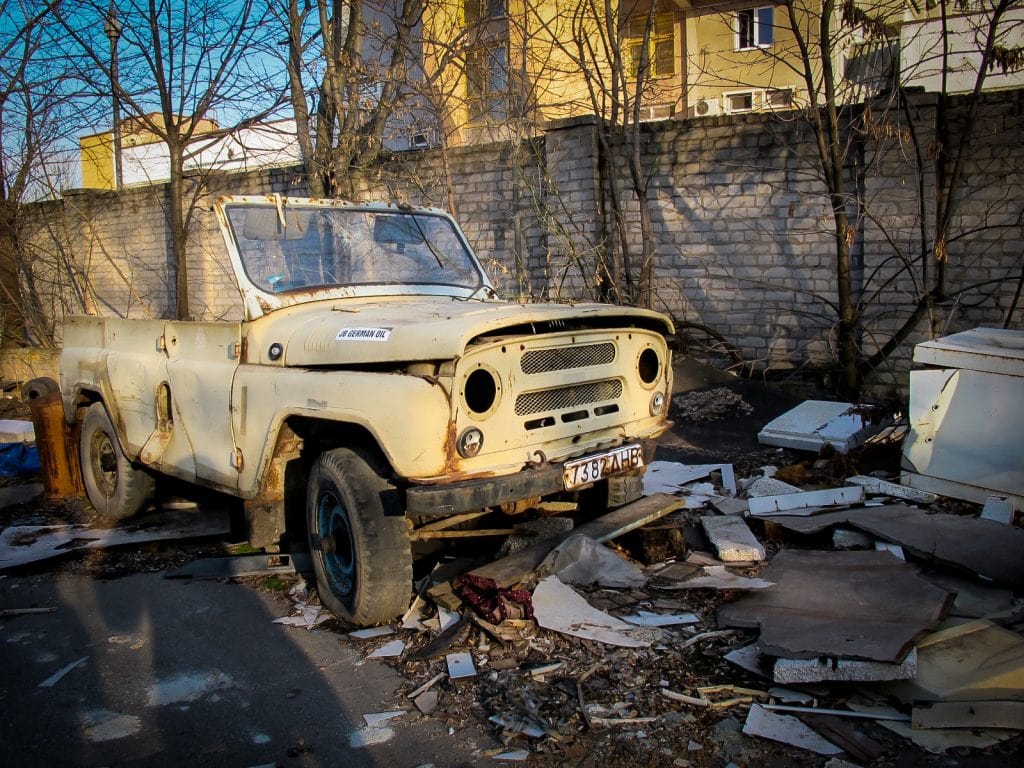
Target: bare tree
(860, 118)
(613, 49)
(179, 69)
(34, 116)
(358, 58)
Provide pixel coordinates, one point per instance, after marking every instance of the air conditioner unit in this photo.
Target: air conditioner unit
(707, 108)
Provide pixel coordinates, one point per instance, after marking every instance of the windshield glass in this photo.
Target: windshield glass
(331, 247)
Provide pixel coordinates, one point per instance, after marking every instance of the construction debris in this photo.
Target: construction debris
(24, 544)
(582, 561)
(716, 577)
(805, 502)
(986, 548)
(875, 486)
(976, 661)
(966, 422)
(969, 714)
(560, 608)
(789, 730)
(732, 539)
(815, 424)
(858, 605)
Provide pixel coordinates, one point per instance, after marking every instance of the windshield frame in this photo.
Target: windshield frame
(259, 298)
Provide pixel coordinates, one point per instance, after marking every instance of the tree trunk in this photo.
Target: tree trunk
(179, 232)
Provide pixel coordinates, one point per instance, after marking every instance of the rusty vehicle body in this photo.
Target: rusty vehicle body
(376, 385)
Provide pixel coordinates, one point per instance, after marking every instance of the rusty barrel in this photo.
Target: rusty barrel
(58, 459)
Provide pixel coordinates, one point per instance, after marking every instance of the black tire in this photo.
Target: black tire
(116, 488)
(358, 539)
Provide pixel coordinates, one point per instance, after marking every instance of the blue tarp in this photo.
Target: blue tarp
(18, 459)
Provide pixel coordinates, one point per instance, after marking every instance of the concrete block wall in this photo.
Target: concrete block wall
(744, 243)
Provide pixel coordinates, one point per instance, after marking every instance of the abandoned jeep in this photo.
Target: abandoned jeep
(376, 398)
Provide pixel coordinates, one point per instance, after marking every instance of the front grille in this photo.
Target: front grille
(568, 397)
(563, 358)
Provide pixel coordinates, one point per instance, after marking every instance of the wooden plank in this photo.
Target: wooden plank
(514, 568)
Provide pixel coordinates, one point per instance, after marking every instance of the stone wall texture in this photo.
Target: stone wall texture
(742, 229)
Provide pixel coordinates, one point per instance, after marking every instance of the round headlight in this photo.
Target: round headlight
(275, 351)
(657, 403)
(649, 366)
(470, 442)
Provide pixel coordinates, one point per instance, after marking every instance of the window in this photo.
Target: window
(487, 83)
(661, 45)
(755, 28)
(778, 98)
(739, 101)
(474, 11)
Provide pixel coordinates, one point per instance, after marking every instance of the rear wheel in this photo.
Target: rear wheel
(358, 539)
(116, 488)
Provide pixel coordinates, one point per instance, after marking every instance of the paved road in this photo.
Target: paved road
(179, 673)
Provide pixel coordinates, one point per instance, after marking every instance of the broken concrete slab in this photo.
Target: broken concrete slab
(974, 661)
(854, 605)
(788, 730)
(875, 486)
(805, 502)
(558, 607)
(816, 423)
(517, 566)
(25, 544)
(831, 670)
(989, 549)
(732, 539)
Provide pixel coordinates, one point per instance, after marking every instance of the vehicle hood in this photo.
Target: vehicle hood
(423, 328)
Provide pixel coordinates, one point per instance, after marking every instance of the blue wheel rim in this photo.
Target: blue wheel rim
(336, 547)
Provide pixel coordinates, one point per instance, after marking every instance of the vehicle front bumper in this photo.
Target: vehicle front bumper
(479, 493)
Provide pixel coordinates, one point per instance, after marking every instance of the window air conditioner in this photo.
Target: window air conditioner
(707, 108)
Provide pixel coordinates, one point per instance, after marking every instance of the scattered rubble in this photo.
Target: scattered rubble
(594, 646)
(710, 404)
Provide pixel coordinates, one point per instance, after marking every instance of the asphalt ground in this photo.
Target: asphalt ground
(180, 673)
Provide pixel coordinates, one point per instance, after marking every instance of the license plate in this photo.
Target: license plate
(593, 468)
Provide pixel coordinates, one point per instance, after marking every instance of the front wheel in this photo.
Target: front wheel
(116, 488)
(358, 539)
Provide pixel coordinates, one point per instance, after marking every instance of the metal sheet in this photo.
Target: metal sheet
(987, 548)
(857, 605)
(996, 350)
